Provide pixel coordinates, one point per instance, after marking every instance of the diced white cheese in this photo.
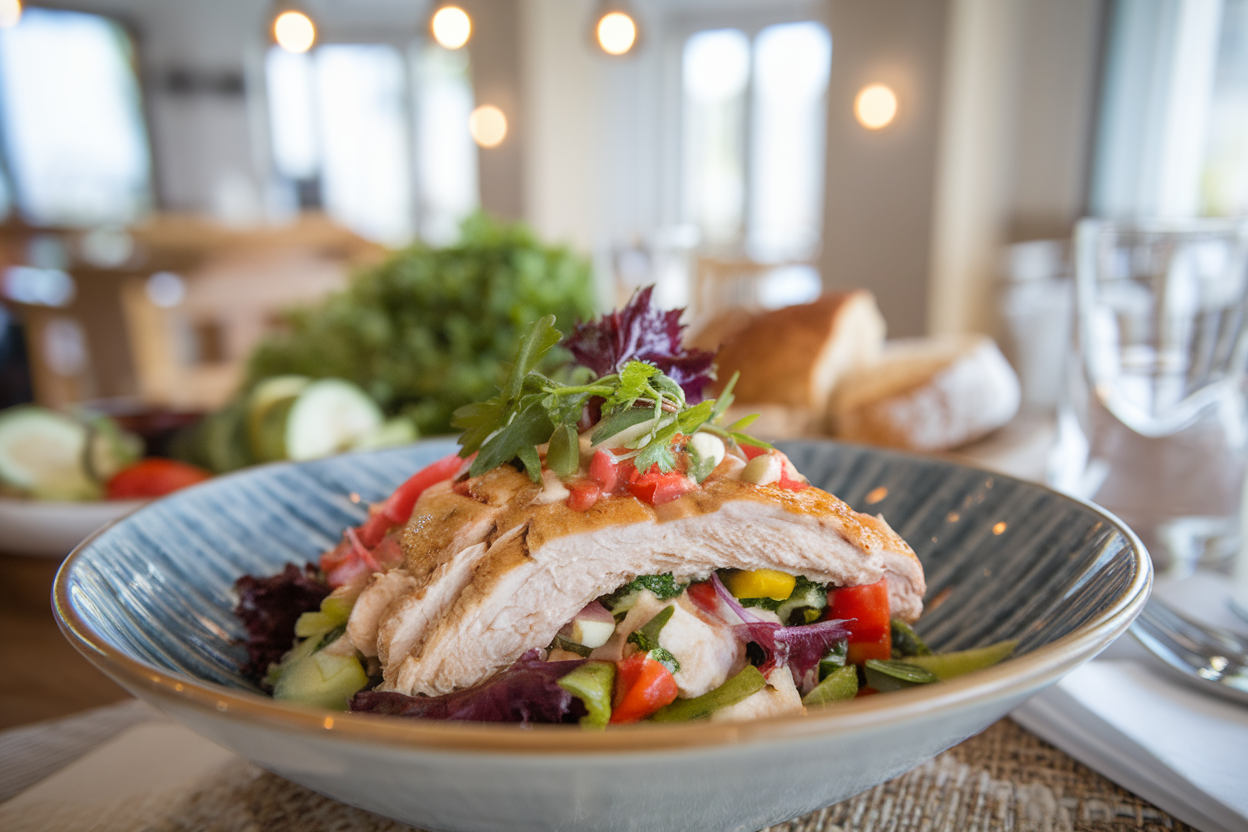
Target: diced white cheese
(763, 469)
(708, 446)
(591, 633)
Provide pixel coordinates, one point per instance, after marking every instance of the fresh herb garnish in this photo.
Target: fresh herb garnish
(532, 409)
(640, 332)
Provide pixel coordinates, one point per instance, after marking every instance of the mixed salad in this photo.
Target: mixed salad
(621, 447)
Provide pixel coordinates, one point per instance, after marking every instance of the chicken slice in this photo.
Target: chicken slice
(543, 563)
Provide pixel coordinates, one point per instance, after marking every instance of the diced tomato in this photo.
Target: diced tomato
(866, 614)
(642, 686)
(751, 451)
(656, 488)
(704, 596)
(860, 651)
(866, 690)
(153, 477)
(791, 484)
(583, 495)
(350, 559)
(604, 470)
(397, 508)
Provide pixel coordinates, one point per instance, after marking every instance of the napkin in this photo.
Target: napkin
(1127, 717)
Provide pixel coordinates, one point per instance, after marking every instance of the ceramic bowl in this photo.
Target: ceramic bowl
(149, 601)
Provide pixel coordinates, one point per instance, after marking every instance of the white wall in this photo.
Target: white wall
(564, 159)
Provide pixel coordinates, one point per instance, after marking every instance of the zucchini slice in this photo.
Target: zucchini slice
(328, 416)
(41, 454)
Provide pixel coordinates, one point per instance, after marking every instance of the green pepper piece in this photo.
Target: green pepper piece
(592, 683)
(906, 642)
(840, 685)
(745, 683)
(891, 675)
(951, 665)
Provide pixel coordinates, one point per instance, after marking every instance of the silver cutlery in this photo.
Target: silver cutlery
(1214, 659)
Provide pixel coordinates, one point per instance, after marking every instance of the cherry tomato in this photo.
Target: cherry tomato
(153, 477)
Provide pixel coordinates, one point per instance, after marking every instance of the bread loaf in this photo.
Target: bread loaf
(927, 394)
(796, 355)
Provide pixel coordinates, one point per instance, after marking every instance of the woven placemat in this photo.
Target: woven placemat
(1003, 779)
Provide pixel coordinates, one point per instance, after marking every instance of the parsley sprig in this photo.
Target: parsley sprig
(532, 409)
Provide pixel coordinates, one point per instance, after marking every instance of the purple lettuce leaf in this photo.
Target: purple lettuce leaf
(269, 608)
(527, 692)
(640, 332)
(798, 648)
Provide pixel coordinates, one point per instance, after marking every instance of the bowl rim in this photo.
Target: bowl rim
(1019, 675)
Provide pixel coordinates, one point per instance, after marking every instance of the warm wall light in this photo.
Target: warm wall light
(293, 31)
(875, 106)
(488, 125)
(451, 27)
(10, 13)
(616, 32)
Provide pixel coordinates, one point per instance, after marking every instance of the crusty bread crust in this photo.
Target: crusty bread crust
(928, 394)
(796, 355)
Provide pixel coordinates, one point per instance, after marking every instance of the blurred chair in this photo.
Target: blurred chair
(171, 323)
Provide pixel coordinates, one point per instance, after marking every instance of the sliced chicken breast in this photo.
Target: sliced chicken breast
(474, 612)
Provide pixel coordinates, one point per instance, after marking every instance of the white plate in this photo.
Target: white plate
(50, 529)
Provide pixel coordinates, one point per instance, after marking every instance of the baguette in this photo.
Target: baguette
(795, 356)
(927, 394)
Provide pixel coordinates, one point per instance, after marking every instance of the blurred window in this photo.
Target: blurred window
(74, 138)
(378, 138)
(754, 111)
(1172, 138)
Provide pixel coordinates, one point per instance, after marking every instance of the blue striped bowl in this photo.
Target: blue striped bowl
(149, 601)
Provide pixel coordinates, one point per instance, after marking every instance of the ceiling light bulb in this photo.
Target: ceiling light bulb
(10, 13)
(488, 126)
(875, 106)
(294, 31)
(451, 27)
(616, 33)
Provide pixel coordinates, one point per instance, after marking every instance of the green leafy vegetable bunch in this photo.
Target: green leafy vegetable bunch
(429, 330)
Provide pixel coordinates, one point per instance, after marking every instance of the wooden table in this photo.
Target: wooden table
(44, 677)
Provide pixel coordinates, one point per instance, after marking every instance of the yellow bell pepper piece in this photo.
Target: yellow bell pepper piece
(760, 583)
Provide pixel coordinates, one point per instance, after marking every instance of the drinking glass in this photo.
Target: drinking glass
(1158, 384)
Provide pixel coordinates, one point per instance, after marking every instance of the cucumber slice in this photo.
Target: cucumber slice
(950, 665)
(267, 409)
(224, 438)
(329, 416)
(840, 685)
(321, 679)
(41, 454)
(109, 449)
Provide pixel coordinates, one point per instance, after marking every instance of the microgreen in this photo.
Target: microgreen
(643, 410)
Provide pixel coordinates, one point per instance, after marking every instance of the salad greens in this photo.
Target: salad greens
(429, 329)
